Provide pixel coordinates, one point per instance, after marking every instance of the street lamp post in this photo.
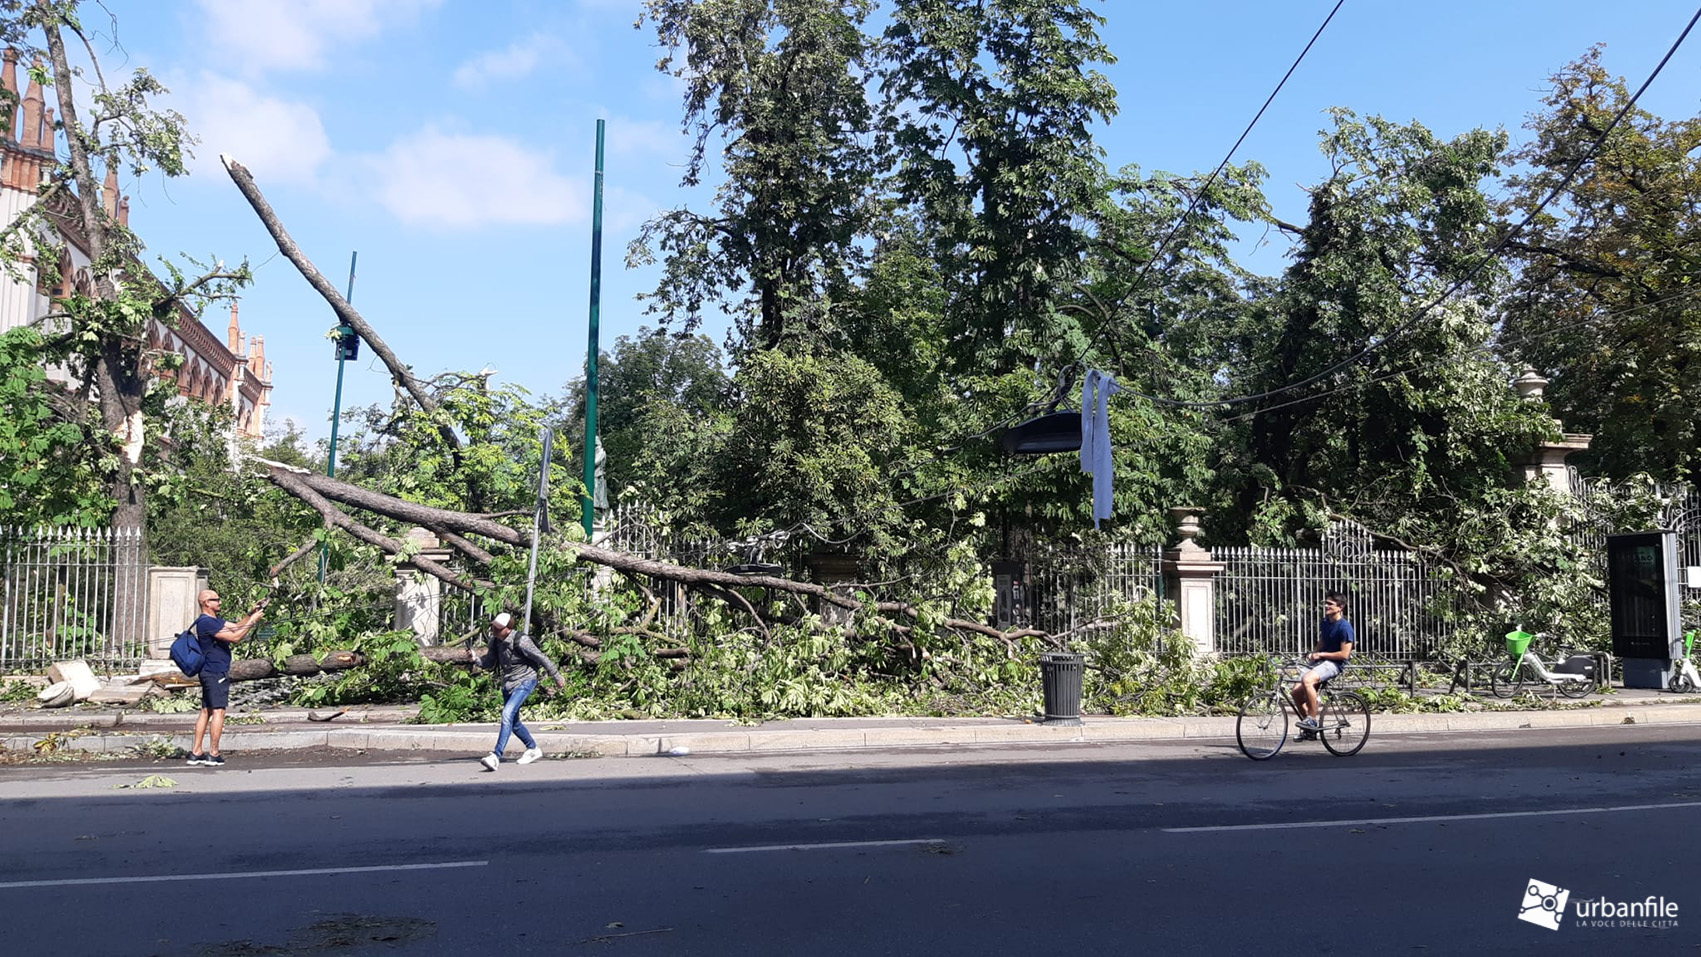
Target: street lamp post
(588, 515)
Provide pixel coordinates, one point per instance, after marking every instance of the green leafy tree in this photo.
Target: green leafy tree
(651, 385)
(45, 477)
(783, 82)
(1605, 299)
(996, 154)
(203, 510)
(1427, 421)
(98, 327)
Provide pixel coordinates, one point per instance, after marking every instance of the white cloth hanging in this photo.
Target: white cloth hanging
(1096, 461)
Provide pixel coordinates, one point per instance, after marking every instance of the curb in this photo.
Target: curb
(776, 737)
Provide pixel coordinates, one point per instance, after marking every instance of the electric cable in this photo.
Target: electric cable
(1491, 255)
(1485, 350)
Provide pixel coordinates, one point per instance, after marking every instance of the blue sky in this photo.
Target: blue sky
(451, 143)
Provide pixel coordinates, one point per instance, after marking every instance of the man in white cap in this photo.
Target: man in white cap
(517, 658)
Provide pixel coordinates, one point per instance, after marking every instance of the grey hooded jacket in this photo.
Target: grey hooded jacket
(518, 658)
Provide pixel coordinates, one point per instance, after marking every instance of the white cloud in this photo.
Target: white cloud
(279, 140)
(261, 35)
(441, 179)
(517, 61)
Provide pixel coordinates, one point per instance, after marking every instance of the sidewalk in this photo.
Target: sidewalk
(386, 729)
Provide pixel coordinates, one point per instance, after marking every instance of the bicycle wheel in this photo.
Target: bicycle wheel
(1681, 684)
(1576, 689)
(1345, 720)
(1262, 728)
(1508, 680)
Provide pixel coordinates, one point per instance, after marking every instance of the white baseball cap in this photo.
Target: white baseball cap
(503, 620)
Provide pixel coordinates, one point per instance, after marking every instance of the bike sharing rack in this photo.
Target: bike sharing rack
(1646, 600)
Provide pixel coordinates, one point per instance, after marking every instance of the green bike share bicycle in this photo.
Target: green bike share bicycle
(1571, 675)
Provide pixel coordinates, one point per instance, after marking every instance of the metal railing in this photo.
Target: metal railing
(1068, 587)
(1269, 600)
(1681, 513)
(72, 593)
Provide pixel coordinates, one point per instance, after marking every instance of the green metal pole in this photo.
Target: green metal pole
(337, 407)
(589, 511)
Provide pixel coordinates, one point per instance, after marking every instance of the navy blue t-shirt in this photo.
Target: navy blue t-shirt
(1333, 634)
(217, 652)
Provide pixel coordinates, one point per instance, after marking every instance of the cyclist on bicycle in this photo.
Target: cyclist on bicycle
(1334, 646)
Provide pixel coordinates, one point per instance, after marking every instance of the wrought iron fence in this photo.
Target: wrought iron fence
(634, 530)
(72, 593)
(1681, 512)
(1269, 600)
(1068, 587)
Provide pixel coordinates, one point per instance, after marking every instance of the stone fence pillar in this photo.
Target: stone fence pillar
(419, 597)
(173, 604)
(1547, 462)
(1190, 576)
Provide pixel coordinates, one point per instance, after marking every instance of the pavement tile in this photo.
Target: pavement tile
(700, 743)
(825, 739)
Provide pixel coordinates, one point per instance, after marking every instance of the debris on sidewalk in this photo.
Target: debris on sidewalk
(56, 695)
(78, 675)
(151, 781)
(164, 673)
(116, 692)
(316, 716)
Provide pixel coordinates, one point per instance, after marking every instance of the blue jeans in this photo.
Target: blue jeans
(511, 702)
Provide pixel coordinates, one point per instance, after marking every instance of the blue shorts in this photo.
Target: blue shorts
(215, 691)
(1324, 670)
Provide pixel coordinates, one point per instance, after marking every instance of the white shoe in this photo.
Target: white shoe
(532, 754)
(490, 761)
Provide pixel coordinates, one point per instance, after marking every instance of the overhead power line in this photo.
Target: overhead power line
(1494, 253)
(1199, 194)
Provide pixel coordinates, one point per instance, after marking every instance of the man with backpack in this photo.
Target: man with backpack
(216, 636)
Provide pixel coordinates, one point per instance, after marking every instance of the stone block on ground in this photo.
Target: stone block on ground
(166, 675)
(121, 693)
(78, 674)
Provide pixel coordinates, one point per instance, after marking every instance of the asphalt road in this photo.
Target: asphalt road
(1423, 844)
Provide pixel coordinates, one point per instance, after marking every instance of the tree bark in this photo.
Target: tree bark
(344, 310)
(255, 669)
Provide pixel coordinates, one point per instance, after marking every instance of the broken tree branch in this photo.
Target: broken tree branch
(345, 312)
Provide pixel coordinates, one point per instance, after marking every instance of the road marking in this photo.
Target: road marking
(818, 847)
(307, 872)
(1435, 817)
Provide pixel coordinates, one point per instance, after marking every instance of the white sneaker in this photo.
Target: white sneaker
(1309, 724)
(532, 754)
(490, 761)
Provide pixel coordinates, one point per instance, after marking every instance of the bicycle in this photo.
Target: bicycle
(1684, 679)
(1343, 717)
(1526, 667)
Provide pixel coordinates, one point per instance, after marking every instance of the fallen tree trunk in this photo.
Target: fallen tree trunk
(320, 490)
(302, 666)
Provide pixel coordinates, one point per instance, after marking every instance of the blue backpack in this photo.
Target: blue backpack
(186, 651)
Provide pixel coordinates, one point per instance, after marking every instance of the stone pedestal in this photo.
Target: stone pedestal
(419, 597)
(1190, 576)
(173, 605)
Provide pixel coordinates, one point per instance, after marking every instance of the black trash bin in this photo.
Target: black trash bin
(1060, 674)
